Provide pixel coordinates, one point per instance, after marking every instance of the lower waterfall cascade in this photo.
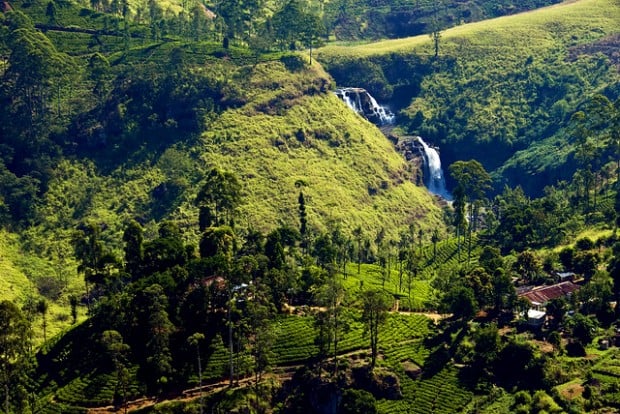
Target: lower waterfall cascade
(433, 173)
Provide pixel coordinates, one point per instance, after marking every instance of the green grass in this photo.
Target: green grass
(497, 86)
(566, 23)
(14, 283)
(283, 135)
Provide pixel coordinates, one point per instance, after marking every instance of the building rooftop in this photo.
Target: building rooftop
(543, 294)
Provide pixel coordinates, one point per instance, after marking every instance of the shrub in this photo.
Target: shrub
(293, 63)
(357, 401)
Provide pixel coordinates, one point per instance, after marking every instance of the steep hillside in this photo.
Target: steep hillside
(284, 130)
(131, 135)
(496, 87)
(13, 281)
(348, 168)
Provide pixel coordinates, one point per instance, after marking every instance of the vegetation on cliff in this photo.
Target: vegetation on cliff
(190, 214)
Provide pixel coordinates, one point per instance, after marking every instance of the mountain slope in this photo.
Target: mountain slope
(496, 87)
(350, 171)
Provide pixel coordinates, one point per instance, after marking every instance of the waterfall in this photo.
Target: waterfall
(434, 178)
(359, 100)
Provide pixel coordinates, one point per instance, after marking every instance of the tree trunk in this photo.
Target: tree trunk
(359, 255)
(458, 241)
(199, 375)
(230, 344)
(6, 397)
(374, 328)
(335, 339)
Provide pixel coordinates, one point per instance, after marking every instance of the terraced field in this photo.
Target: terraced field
(421, 295)
(438, 394)
(607, 371)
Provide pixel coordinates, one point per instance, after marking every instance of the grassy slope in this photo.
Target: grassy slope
(13, 283)
(482, 91)
(341, 159)
(506, 36)
(19, 272)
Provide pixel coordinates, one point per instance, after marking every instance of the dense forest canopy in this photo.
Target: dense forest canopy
(189, 213)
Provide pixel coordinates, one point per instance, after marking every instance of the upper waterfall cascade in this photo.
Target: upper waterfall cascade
(433, 173)
(364, 104)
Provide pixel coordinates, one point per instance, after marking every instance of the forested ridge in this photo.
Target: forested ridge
(192, 220)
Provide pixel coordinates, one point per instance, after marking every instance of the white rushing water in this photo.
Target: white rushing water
(433, 174)
(359, 100)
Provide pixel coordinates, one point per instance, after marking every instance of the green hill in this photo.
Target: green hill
(115, 133)
(132, 134)
(497, 86)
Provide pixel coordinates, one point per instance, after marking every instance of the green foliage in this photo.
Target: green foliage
(146, 132)
(375, 305)
(516, 230)
(14, 348)
(357, 401)
(461, 302)
(583, 328)
(462, 104)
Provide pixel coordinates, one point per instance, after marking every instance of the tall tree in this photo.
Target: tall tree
(218, 198)
(73, 303)
(35, 70)
(194, 340)
(303, 220)
(403, 250)
(156, 328)
(14, 345)
(528, 265)
(504, 293)
(311, 31)
(472, 182)
(435, 28)
(459, 215)
(241, 17)
(286, 23)
(331, 297)
(94, 263)
(322, 338)
(435, 239)
(614, 271)
(324, 251)
(100, 75)
(486, 349)
(42, 308)
(117, 351)
(259, 313)
(460, 301)
(358, 234)
(134, 250)
(166, 251)
(375, 307)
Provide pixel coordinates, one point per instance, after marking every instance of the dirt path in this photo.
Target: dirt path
(284, 372)
(436, 317)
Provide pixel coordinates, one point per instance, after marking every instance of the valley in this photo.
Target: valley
(302, 206)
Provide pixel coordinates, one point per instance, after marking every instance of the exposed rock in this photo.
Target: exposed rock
(412, 369)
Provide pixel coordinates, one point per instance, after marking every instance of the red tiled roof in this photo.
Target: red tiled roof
(544, 294)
